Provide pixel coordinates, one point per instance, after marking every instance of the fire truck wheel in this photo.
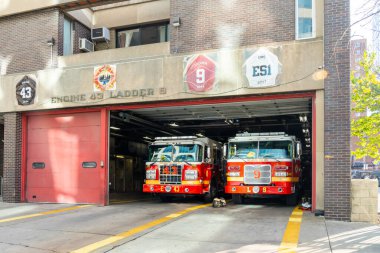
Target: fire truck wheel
(237, 199)
(292, 200)
(166, 198)
(209, 196)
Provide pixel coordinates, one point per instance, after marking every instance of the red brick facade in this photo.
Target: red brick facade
(12, 157)
(337, 110)
(230, 24)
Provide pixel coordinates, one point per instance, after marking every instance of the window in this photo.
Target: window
(67, 37)
(142, 35)
(305, 19)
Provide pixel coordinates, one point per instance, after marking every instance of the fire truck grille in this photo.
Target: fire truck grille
(257, 174)
(170, 174)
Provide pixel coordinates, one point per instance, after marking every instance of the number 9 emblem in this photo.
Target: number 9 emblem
(199, 73)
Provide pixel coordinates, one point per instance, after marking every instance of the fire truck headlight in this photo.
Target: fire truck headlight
(191, 174)
(234, 174)
(151, 174)
(280, 174)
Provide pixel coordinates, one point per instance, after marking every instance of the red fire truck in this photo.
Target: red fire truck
(184, 166)
(263, 165)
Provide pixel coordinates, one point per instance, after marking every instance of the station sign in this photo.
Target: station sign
(26, 91)
(199, 73)
(262, 68)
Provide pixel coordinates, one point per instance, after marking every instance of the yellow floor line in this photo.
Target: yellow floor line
(43, 213)
(113, 202)
(289, 242)
(133, 231)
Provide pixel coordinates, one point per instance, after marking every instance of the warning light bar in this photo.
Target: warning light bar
(176, 138)
(261, 134)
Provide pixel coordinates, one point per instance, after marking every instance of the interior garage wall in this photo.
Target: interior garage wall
(230, 24)
(12, 157)
(337, 110)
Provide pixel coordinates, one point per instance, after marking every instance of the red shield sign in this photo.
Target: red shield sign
(200, 73)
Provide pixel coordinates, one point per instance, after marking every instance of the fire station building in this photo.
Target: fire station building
(86, 85)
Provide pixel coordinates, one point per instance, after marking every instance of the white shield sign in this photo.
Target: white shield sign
(262, 68)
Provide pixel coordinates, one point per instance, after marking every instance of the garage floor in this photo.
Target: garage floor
(253, 227)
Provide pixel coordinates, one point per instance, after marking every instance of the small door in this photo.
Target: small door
(64, 163)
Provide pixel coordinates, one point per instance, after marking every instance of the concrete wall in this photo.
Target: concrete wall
(131, 15)
(319, 146)
(11, 7)
(364, 200)
(156, 72)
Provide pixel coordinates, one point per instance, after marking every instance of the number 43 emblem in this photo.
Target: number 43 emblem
(26, 91)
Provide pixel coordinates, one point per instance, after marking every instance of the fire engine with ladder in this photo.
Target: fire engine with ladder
(263, 165)
(184, 166)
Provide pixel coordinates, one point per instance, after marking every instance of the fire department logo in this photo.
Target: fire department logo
(26, 91)
(199, 73)
(262, 68)
(105, 78)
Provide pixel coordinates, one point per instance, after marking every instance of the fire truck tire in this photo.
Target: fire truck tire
(209, 196)
(292, 200)
(166, 198)
(237, 199)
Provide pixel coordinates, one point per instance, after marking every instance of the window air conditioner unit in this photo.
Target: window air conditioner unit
(100, 34)
(86, 45)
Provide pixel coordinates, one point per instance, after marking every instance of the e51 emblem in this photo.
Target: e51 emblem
(262, 68)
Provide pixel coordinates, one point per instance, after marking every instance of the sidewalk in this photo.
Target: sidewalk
(320, 235)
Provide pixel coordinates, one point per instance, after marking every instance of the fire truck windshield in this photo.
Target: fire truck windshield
(176, 153)
(262, 149)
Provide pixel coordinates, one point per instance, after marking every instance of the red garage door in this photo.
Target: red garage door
(64, 163)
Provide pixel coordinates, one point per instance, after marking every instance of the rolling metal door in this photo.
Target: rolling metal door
(64, 162)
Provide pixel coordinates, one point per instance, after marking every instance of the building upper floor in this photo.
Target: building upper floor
(44, 34)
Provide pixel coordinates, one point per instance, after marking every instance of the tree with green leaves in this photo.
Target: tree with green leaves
(366, 101)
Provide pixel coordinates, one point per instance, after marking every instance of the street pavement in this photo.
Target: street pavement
(258, 226)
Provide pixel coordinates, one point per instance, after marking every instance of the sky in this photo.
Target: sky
(364, 28)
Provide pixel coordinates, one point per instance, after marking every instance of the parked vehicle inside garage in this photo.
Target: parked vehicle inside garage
(263, 165)
(184, 166)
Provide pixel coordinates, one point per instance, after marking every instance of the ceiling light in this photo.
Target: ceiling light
(307, 139)
(303, 118)
(173, 124)
(147, 138)
(308, 145)
(305, 131)
(200, 135)
(114, 128)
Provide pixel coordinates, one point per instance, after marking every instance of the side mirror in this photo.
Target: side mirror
(225, 150)
(299, 149)
(208, 153)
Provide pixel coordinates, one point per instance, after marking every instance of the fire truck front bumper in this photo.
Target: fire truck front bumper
(262, 190)
(173, 189)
